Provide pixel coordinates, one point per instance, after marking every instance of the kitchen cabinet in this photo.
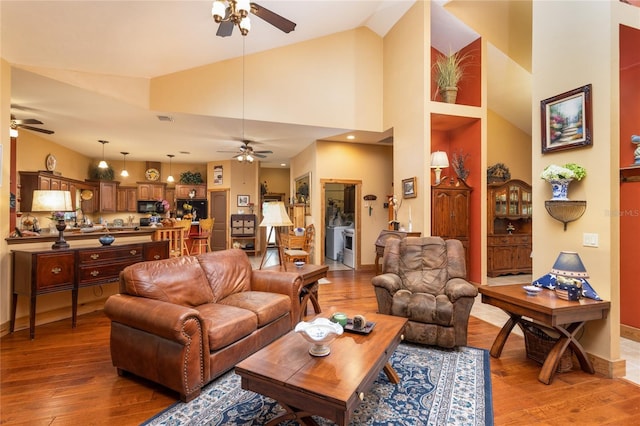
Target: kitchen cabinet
(126, 199)
(184, 190)
(450, 203)
(48, 271)
(42, 180)
(151, 191)
(104, 197)
(509, 228)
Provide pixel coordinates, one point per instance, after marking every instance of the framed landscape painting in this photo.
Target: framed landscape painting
(566, 120)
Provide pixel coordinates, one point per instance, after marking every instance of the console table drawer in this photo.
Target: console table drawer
(99, 274)
(110, 253)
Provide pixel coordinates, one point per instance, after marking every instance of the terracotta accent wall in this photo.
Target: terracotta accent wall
(629, 191)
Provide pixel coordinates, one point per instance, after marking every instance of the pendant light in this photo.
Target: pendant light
(170, 178)
(124, 172)
(103, 164)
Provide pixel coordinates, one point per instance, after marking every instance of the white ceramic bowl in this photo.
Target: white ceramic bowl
(532, 290)
(320, 332)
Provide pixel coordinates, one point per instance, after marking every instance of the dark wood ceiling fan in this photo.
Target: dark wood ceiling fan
(232, 17)
(28, 123)
(246, 149)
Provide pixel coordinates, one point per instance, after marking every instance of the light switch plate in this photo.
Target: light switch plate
(590, 240)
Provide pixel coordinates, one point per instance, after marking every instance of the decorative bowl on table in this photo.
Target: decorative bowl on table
(532, 290)
(299, 263)
(106, 240)
(319, 332)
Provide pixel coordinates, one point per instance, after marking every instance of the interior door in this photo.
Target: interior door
(219, 213)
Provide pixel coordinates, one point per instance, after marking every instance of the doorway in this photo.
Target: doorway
(218, 211)
(340, 225)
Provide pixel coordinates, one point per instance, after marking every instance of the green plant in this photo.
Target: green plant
(449, 69)
(101, 174)
(191, 178)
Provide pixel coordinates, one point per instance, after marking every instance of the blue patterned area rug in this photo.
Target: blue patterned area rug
(437, 387)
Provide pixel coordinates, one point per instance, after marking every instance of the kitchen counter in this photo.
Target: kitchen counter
(73, 234)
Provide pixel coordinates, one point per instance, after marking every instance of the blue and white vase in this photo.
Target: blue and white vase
(560, 189)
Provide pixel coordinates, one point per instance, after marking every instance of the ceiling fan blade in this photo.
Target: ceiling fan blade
(35, 129)
(255, 154)
(263, 152)
(27, 121)
(274, 19)
(225, 29)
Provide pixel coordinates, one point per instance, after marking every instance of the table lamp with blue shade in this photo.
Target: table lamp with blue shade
(568, 276)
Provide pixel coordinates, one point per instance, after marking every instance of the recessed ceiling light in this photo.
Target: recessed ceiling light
(283, 164)
(351, 137)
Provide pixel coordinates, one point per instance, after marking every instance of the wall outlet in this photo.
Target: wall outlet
(590, 240)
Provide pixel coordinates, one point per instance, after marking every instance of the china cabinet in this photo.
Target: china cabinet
(509, 228)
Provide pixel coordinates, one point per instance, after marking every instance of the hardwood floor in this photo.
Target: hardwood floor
(65, 377)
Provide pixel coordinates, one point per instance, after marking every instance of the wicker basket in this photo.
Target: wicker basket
(538, 344)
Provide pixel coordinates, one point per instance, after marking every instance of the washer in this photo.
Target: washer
(334, 241)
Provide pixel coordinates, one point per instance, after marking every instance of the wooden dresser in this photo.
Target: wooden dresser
(509, 228)
(37, 272)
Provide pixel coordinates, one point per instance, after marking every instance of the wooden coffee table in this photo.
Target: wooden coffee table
(331, 386)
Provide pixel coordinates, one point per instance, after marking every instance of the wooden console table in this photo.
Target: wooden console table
(547, 311)
(37, 272)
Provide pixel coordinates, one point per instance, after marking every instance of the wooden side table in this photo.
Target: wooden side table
(548, 311)
(310, 274)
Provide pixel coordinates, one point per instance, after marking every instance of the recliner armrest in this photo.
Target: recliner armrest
(456, 288)
(390, 282)
(167, 320)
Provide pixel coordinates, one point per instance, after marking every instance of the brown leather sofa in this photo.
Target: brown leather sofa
(184, 321)
(423, 279)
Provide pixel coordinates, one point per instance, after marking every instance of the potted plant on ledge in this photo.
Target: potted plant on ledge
(448, 71)
(560, 176)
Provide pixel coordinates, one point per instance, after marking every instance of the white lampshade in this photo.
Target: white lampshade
(275, 214)
(439, 159)
(51, 201)
(218, 10)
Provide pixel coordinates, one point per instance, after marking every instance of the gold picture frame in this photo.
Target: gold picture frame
(409, 188)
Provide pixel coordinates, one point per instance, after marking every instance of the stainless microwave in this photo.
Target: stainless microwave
(150, 206)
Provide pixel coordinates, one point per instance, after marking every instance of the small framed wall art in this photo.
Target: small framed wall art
(409, 188)
(243, 201)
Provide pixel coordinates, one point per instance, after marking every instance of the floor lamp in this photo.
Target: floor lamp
(275, 214)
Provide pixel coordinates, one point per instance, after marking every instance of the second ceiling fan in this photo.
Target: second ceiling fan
(229, 13)
(246, 152)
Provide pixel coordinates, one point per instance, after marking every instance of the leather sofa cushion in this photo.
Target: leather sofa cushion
(266, 306)
(226, 324)
(422, 307)
(178, 280)
(228, 271)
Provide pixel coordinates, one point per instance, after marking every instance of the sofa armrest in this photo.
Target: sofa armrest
(167, 320)
(287, 283)
(456, 288)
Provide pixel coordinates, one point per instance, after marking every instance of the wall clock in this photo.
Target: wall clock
(152, 174)
(51, 162)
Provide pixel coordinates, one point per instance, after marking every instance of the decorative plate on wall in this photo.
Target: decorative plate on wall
(51, 162)
(152, 174)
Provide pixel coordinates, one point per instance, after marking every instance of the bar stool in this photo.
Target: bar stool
(202, 240)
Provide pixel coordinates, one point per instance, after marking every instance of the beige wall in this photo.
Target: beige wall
(341, 70)
(278, 181)
(406, 93)
(5, 164)
(510, 146)
(593, 60)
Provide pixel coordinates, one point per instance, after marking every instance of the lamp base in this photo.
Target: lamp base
(61, 243)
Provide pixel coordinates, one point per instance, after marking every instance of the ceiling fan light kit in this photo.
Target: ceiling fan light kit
(229, 13)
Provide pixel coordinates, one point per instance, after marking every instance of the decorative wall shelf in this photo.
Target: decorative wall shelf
(565, 211)
(630, 174)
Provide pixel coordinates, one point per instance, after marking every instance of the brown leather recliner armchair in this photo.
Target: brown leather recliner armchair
(423, 279)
